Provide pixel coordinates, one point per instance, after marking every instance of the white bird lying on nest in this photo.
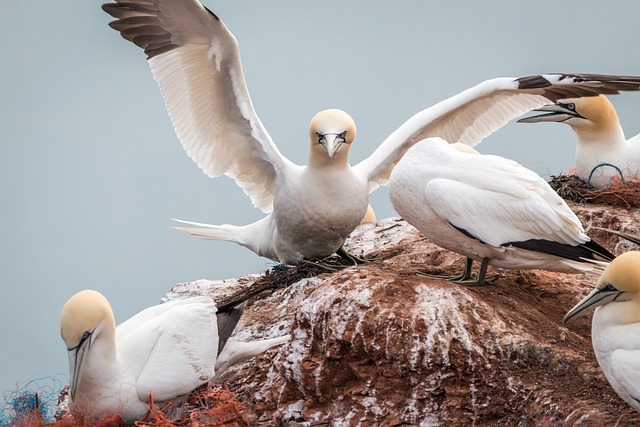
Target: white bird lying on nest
(489, 209)
(313, 208)
(163, 352)
(602, 152)
(615, 328)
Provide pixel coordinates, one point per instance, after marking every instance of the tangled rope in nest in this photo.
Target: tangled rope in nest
(205, 406)
(618, 193)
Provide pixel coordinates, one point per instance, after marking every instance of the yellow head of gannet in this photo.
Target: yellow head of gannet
(331, 133)
(616, 324)
(85, 317)
(619, 282)
(591, 117)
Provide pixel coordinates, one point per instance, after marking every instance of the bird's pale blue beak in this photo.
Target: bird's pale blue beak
(76, 357)
(596, 298)
(331, 142)
(555, 113)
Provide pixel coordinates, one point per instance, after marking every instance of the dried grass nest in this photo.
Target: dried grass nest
(618, 193)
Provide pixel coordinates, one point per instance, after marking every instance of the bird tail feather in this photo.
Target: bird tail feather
(209, 231)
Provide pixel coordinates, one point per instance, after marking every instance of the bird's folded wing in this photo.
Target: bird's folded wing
(502, 203)
(196, 62)
(626, 369)
(172, 352)
(150, 313)
(474, 114)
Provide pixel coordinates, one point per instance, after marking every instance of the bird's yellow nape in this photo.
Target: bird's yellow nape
(623, 273)
(83, 312)
(597, 109)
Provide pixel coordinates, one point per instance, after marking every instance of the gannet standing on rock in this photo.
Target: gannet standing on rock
(313, 208)
(601, 140)
(489, 209)
(615, 328)
(162, 352)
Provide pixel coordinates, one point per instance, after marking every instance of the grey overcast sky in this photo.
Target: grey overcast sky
(91, 170)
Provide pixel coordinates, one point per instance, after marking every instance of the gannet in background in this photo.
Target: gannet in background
(370, 216)
(615, 328)
(601, 139)
(313, 208)
(489, 209)
(164, 351)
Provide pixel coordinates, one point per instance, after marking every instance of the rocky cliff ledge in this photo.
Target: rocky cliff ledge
(378, 344)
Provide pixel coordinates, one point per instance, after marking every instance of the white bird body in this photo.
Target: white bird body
(616, 344)
(484, 206)
(615, 328)
(161, 353)
(601, 139)
(166, 350)
(196, 62)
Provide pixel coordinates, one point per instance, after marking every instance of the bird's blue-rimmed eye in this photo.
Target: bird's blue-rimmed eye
(571, 106)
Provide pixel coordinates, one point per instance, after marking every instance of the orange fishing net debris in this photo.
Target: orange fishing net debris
(205, 406)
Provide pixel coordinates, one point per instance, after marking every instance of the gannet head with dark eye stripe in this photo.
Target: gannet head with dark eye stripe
(84, 317)
(589, 113)
(331, 133)
(619, 282)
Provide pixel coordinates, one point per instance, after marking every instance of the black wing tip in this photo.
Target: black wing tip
(585, 84)
(212, 14)
(597, 249)
(590, 250)
(139, 24)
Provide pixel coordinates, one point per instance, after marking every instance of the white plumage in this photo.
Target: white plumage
(488, 208)
(164, 351)
(601, 140)
(313, 208)
(615, 328)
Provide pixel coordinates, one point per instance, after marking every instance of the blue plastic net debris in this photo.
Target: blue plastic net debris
(37, 398)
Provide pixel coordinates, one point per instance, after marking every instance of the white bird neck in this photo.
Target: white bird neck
(605, 135)
(103, 354)
(321, 161)
(100, 367)
(618, 313)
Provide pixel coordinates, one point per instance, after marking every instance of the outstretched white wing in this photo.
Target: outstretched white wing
(474, 114)
(196, 62)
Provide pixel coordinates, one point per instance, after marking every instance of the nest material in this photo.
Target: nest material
(618, 193)
(205, 406)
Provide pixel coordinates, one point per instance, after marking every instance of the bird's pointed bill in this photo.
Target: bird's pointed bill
(596, 298)
(332, 142)
(76, 357)
(555, 113)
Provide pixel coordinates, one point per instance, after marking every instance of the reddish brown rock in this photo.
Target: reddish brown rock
(377, 344)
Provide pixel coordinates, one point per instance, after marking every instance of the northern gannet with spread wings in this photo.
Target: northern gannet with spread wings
(601, 141)
(311, 209)
(615, 328)
(489, 209)
(166, 351)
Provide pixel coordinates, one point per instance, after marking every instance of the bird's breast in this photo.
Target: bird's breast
(318, 211)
